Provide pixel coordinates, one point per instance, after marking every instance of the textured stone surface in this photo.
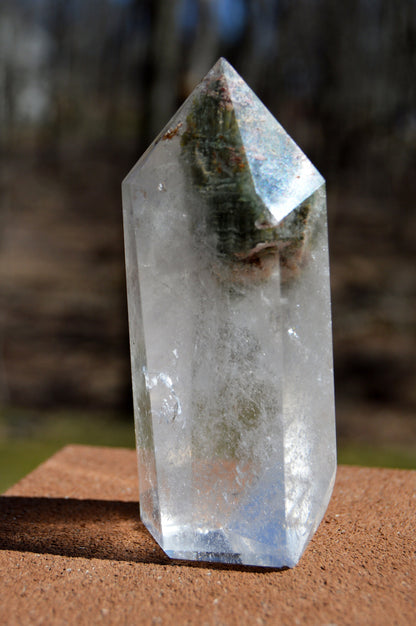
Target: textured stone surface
(230, 326)
(73, 551)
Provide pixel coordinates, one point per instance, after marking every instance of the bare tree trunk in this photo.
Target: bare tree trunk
(164, 64)
(258, 42)
(204, 51)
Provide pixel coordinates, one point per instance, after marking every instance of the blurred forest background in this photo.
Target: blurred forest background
(85, 85)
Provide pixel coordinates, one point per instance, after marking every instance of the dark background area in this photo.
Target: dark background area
(85, 85)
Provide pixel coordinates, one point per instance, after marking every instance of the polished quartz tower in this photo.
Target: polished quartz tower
(230, 331)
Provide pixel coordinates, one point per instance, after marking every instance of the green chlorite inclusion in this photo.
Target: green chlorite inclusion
(247, 236)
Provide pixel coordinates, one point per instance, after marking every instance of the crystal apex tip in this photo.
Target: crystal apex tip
(223, 66)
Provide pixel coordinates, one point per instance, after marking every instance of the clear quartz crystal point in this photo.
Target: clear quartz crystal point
(230, 329)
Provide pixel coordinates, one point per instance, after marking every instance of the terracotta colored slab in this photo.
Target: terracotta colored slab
(73, 551)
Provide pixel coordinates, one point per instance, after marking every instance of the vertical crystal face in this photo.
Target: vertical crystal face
(230, 330)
